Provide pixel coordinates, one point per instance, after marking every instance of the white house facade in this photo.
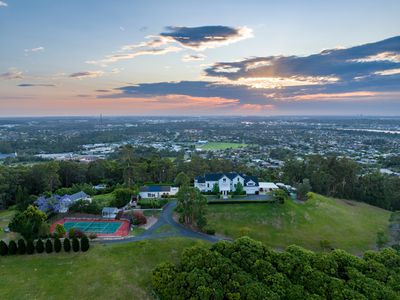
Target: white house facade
(227, 182)
(157, 191)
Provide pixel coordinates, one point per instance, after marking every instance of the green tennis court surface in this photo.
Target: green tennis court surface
(94, 227)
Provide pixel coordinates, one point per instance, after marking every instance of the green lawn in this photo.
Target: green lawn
(5, 217)
(103, 199)
(345, 224)
(120, 271)
(214, 146)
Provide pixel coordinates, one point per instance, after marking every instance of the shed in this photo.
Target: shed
(109, 212)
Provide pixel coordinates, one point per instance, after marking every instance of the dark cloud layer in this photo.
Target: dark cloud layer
(366, 70)
(35, 85)
(199, 37)
(343, 63)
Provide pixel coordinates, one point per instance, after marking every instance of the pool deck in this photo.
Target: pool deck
(122, 230)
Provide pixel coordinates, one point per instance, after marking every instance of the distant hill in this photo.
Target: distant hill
(348, 225)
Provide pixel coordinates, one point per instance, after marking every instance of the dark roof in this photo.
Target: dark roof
(248, 178)
(200, 179)
(155, 188)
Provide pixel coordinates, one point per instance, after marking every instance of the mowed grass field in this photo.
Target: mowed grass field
(118, 271)
(5, 218)
(103, 199)
(214, 146)
(348, 225)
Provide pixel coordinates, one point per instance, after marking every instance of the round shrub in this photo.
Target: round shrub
(67, 245)
(79, 234)
(84, 244)
(139, 218)
(21, 246)
(12, 248)
(75, 244)
(92, 236)
(71, 233)
(3, 248)
(60, 230)
(39, 246)
(57, 245)
(49, 246)
(209, 230)
(30, 247)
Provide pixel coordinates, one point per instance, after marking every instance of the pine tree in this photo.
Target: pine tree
(67, 245)
(3, 248)
(75, 244)
(84, 244)
(21, 246)
(12, 248)
(49, 246)
(57, 245)
(30, 247)
(39, 246)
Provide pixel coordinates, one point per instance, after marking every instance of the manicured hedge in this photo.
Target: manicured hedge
(152, 203)
(21, 246)
(12, 248)
(39, 246)
(49, 246)
(75, 244)
(30, 247)
(3, 248)
(57, 245)
(67, 245)
(84, 244)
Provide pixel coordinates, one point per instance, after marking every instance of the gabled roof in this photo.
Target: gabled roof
(231, 175)
(250, 178)
(77, 196)
(155, 188)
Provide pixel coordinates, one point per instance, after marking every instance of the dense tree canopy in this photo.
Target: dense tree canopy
(246, 269)
(342, 178)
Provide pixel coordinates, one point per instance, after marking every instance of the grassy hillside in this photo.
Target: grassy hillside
(119, 271)
(345, 224)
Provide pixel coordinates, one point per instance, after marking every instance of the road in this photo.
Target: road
(166, 219)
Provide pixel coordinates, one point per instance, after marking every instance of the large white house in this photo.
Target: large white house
(227, 182)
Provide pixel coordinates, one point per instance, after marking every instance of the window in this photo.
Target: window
(224, 180)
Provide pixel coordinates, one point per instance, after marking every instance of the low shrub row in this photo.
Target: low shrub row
(152, 203)
(49, 246)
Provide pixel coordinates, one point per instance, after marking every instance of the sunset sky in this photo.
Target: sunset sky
(267, 58)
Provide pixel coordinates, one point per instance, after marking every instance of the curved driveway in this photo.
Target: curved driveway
(166, 218)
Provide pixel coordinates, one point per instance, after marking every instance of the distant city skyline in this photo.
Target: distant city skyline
(188, 58)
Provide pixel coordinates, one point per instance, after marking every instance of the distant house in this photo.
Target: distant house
(157, 191)
(100, 187)
(227, 182)
(109, 212)
(266, 187)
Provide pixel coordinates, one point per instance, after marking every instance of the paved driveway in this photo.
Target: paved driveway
(166, 218)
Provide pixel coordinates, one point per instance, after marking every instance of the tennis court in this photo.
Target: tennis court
(93, 227)
(97, 226)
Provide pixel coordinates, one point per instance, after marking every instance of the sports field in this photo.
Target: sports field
(99, 227)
